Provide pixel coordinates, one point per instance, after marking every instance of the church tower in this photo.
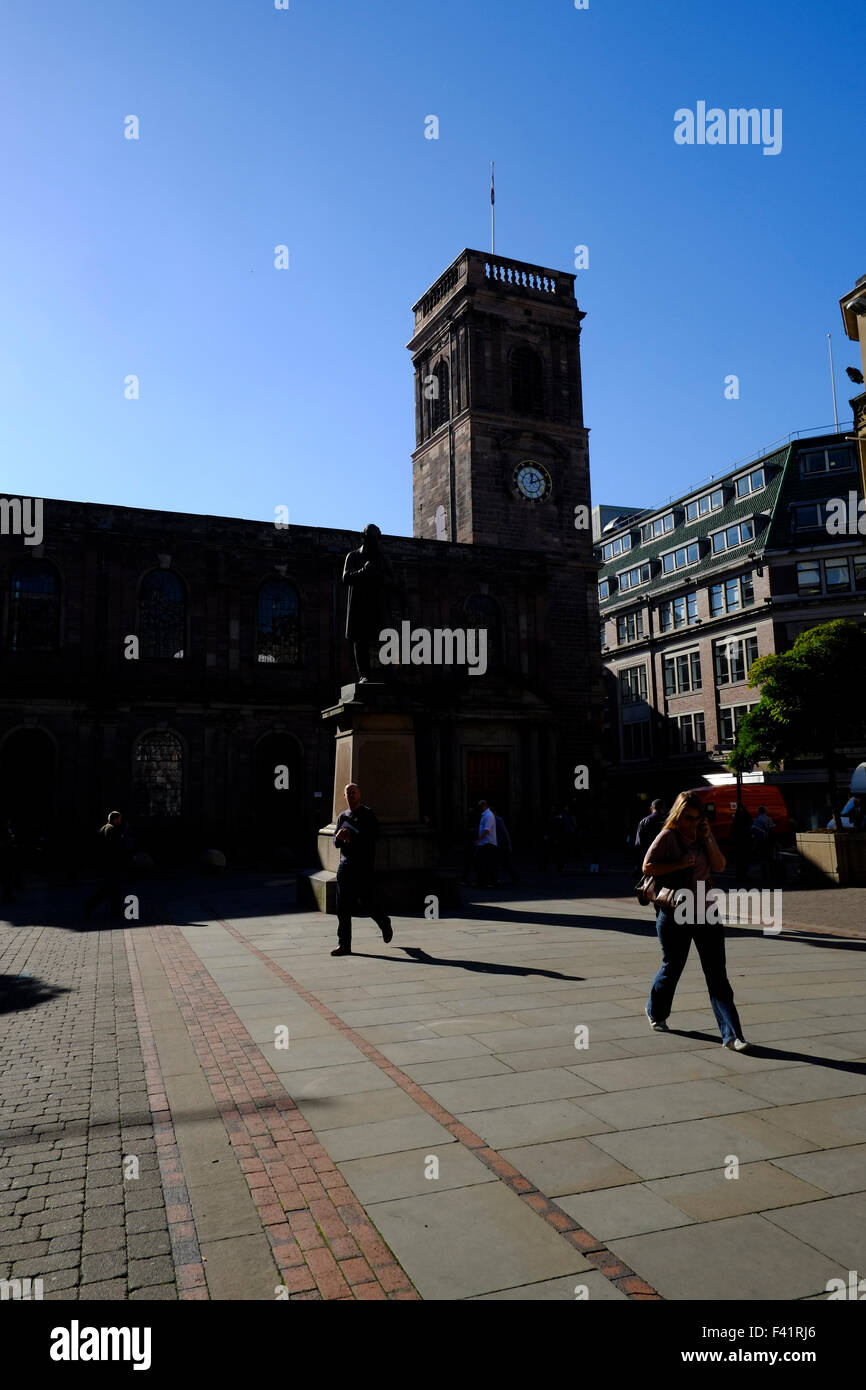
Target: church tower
(501, 453)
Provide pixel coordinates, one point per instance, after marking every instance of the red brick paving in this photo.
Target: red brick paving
(304, 1203)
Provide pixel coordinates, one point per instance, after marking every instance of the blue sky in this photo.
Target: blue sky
(305, 127)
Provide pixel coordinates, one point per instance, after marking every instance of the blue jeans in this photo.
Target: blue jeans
(675, 943)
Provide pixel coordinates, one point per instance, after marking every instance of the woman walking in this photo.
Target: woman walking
(683, 855)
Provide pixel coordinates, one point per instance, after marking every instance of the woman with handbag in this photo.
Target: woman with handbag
(684, 854)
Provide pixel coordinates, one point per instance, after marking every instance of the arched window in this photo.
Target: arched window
(440, 405)
(162, 615)
(482, 611)
(527, 382)
(278, 627)
(157, 776)
(34, 607)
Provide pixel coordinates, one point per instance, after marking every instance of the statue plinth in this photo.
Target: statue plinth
(375, 748)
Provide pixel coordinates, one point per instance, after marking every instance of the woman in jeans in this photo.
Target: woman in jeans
(684, 854)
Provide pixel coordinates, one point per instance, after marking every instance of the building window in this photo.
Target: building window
(808, 516)
(527, 382)
(734, 659)
(689, 734)
(682, 556)
(702, 506)
(817, 461)
(620, 546)
(278, 629)
(630, 579)
(636, 740)
(808, 576)
(837, 575)
(632, 685)
(733, 535)
(440, 404)
(682, 673)
(162, 615)
(859, 571)
(751, 482)
(730, 719)
(483, 612)
(603, 635)
(659, 526)
(157, 776)
(604, 588)
(678, 612)
(732, 595)
(629, 628)
(34, 607)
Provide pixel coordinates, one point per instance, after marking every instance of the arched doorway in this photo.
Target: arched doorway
(28, 771)
(278, 793)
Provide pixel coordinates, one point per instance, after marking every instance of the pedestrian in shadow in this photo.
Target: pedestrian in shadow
(683, 856)
(113, 868)
(355, 836)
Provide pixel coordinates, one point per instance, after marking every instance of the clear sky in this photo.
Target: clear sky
(306, 127)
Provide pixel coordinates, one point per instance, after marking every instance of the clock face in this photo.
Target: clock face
(532, 481)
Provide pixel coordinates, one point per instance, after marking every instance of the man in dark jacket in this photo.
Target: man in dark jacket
(355, 837)
(651, 826)
(113, 856)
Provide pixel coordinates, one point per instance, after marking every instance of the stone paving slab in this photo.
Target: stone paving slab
(511, 1125)
(836, 1171)
(438, 1234)
(835, 1226)
(712, 1195)
(585, 1286)
(387, 1177)
(743, 1259)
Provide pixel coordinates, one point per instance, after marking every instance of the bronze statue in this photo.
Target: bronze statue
(366, 573)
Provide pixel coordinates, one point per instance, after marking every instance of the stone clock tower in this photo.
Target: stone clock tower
(501, 456)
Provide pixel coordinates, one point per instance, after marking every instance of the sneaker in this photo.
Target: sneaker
(656, 1027)
(342, 951)
(387, 932)
(738, 1045)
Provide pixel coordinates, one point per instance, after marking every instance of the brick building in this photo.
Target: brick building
(693, 592)
(165, 663)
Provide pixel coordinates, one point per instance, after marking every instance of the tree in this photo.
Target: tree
(813, 702)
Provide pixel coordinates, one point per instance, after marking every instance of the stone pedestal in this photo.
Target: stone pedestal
(375, 738)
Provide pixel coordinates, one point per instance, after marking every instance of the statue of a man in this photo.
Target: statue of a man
(366, 573)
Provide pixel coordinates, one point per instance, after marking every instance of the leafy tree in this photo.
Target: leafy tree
(813, 702)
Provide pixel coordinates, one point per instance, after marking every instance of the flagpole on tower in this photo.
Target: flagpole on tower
(492, 211)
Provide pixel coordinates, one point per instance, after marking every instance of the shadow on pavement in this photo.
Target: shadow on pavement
(26, 992)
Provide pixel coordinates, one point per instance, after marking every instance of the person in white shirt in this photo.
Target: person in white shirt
(485, 847)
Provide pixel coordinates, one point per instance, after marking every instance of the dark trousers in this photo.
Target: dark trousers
(356, 896)
(110, 891)
(675, 943)
(486, 864)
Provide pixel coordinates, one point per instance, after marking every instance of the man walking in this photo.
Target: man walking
(486, 847)
(651, 826)
(113, 854)
(355, 836)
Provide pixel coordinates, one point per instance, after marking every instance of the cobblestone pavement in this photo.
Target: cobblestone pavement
(206, 1105)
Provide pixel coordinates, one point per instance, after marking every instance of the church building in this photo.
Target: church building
(165, 664)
